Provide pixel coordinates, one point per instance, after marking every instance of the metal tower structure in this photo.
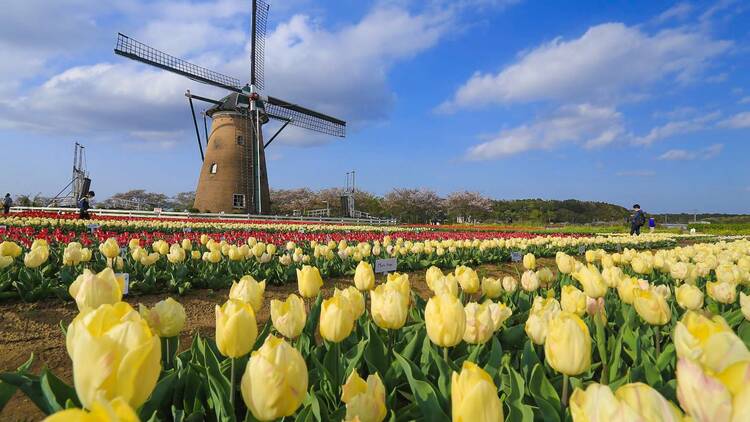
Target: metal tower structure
(79, 183)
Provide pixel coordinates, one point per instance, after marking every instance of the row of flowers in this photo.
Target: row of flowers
(178, 262)
(632, 334)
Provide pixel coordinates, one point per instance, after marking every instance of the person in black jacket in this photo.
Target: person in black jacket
(84, 205)
(637, 220)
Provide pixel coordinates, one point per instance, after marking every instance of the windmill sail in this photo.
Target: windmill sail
(258, 43)
(304, 117)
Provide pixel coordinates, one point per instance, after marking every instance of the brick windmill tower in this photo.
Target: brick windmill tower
(233, 177)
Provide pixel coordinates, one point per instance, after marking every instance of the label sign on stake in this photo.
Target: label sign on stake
(123, 252)
(3, 227)
(126, 281)
(619, 248)
(581, 250)
(515, 256)
(92, 227)
(187, 229)
(386, 265)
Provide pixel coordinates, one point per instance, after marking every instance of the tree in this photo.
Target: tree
(413, 205)
(287, 201)
(468, 205)
(183, 201)
(137, 199)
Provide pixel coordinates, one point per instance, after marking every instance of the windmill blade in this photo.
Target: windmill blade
(132, 49)
(258, 43)
(304, 117)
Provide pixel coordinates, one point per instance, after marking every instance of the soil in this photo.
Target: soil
(27, 328)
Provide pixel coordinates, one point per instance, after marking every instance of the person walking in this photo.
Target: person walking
(7, 203)
(637, 220)
(651, 224)
(84, 204)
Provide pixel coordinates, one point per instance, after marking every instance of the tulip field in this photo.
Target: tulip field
(613, 328)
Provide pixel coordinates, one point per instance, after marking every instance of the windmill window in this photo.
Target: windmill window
(238, 201)
(214, 168)
(240, 140)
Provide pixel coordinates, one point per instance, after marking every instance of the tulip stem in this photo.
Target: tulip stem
(166, 343)
(564, 402)
(657, 341)
(231, 383)
(445, 353)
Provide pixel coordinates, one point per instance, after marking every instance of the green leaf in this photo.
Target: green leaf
(160, 396)
(544, 394)
(518, 410)
(56, 391)
(376, 354)
(218, 386)
(424, 393)
(666, 358)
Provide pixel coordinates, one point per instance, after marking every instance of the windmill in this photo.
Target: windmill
(233, 176)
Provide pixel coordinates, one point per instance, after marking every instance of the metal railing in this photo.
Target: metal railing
(237, 217)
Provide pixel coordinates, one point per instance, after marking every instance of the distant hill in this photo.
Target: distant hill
(557, 211)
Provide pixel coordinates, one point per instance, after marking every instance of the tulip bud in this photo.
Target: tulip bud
(114, 354)
(499, 313)
(703, 397)
(474, 396)
(309, 281)
(365, 401)
(709, 341)
(91, 290)
(529, 281)
(8, 248)
(166, 318)
(529, 261)
(5, 261)
(542, 311)
(433, 273)
(289, 317)
(467, 278)
(479, 324)
(591, 280)
(236, 329)
(573, 300)
(651, 306)
(389, 307)
(445, 320)
(35, 257)
(745, 305)
(648, 403)
(116, 410)
(249, 291)
(364, 277)
(110, 248)
(722, 292)
(565, 263)
(545, 276)
(689, 297)
(510, 284)
(275, 380)
(567, 347)
(336, 319)
(492, 287)
(355, 299)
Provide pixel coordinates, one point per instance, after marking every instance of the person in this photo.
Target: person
(651, 224)
(84, 204)
(7, 203)
(637, 220)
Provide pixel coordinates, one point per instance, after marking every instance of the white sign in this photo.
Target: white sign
(123, 252)
(619, 247)
(581, 250)
(187, 229)
(3, 227)
(386, 265)
(515, 256)
(92, 227)
(126, 281)
(157, 210)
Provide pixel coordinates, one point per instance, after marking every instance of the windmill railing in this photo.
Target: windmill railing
(208, 216)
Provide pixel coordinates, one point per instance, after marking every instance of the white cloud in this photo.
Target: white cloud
(636, 173)
(703, 154)
(745, 100)
(679, 11)
(584, 124)
(610, 62)
(738, 121)
(678, 127)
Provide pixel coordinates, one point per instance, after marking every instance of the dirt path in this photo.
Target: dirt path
(27, 328)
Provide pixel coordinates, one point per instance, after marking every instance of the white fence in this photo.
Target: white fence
(237, 217)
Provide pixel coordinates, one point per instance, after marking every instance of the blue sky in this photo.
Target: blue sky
(622, 101)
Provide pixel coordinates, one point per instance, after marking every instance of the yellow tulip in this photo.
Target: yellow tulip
(186, 245)
(641, 265)
(150, 259)
(309, 281)
(117, 410)
(236, 328)
(704, 398)
(545, 276)
(542, 311)
(679, 271)
(573, 300)
(467, 278)
(249, 291)
(445, 320)
(275, 380)
(529, 281)
(85, 255)
(529, 261)
(722, 292)
(592, 281)
(499, 313)
(399, 282)
(708, 340)
(479, 324)
(91, 290)
(612, 276)
(35, 257)
(625, 289)
(492, 287)
(725, 273)
(433, 273)
(510, 284)
(166, 318)
(134, 243)
(336, 319)
(745, 305)
(114, 354)
(355, 298)
(567, 347)
(8, 248)
(195, 255)
(689, 297)
(648, 403)
(161, 247)
(446, 284)
(72, 254)
(5, 261)
(389, 307)
(565, 263)
(364, 277)
(651, 306)
(109, 248)
(474, 396)
(365, 401)
(176, 254)
(289, 316)
(597, 403)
